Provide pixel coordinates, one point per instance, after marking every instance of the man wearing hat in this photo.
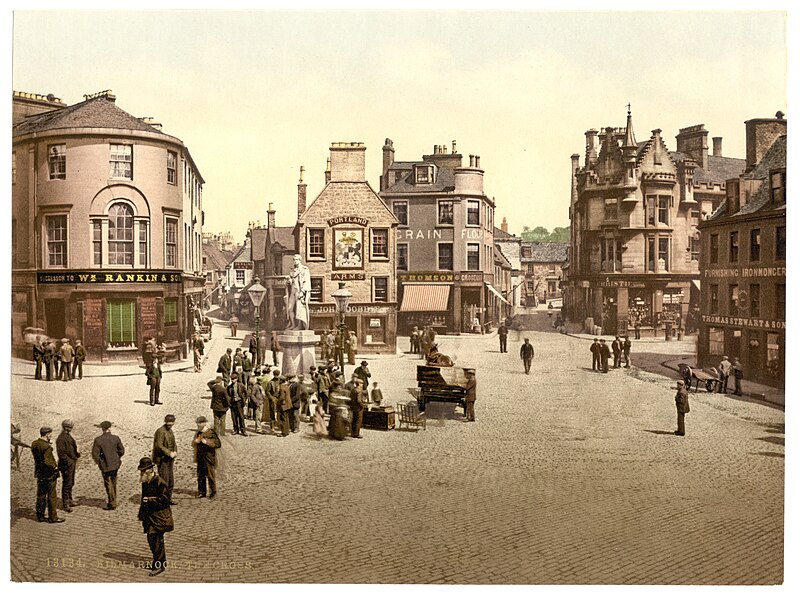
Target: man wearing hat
(323, 386)
(284, 405)
(206, 441)
(67, 354)
(107, 452)
(219, 403)
(725, 367)
(682, 405)
(46, 472)
(153, 373)
(272, 390)
(68, 455)
(255, 394)
(616, 347)
(297, 390)
(155, 513)
(626, 351)
(80, 357)
(471, 395)
(357, 407)
(225, 366)
(164, 452)
(595, 350)
(362, 371)
(526, 354)
(605, 354)
(237, 393)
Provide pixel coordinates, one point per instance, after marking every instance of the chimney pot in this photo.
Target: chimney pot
(717, 146)
(454, 146)
(477, 161)
(471, 160)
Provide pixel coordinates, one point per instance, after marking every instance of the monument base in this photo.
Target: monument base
(298, 348)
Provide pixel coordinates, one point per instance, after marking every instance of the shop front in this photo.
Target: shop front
(373, 324)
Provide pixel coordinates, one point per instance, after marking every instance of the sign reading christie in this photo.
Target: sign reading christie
(109, 277)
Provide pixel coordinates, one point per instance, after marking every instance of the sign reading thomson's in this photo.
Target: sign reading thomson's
(109, 277)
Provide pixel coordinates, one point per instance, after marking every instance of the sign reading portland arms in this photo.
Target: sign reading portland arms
(109, 277)
(348, 220)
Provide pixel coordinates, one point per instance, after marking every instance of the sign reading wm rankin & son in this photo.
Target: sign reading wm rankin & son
(109, 277)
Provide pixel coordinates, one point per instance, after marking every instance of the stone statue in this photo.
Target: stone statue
(298, 293)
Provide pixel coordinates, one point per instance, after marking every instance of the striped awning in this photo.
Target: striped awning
(494, 291)
(425, 297)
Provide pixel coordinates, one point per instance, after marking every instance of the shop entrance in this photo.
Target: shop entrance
(55, 318)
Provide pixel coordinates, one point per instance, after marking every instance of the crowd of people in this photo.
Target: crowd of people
(58, 360)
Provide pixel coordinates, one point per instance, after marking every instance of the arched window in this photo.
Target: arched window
(120, 234)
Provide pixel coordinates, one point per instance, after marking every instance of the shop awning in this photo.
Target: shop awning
(425, 297)
(494, 291)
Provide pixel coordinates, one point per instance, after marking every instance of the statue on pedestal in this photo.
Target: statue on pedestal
(298, 293)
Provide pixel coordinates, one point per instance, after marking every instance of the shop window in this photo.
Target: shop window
(755, 300)
(733, 250)
(316, 290)
(780, 301)
(733, 299)
(56, 230)
(473, 213)
(755, 244)
(713, 290)
(121, 161)
(400, 209)
(170, 311)
(121, 316)
(171, 242)
(713, 248)
(473, 256)
(172, 167)
(402, 257)
(780, 242)
(716, 341)
(375, 332)
(380, 243)
(380, 290)
(57, 160)
(316, 243)
(445, 256)
(446, 212)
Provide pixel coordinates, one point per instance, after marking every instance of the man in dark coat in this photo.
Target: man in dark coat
(626, 351)
(502, 333)
(297, 390)
(252, 348)
(237, 394)
(164, 452)
(107, 452)
(595, 350)
(46, 471)
(272, 391)
(153, 373)
(682, 405)
(472, 394)
(219, 403)
(80, 357)
(526, 354)
(357, 407)
(155, 513)
(362, 372)
(605, 354)
(225, 366)
(68, 455)
(38, 358)
(67, 356)
(616, 347)
(275, 348)
(198, 348)
(206, 442)
(50, 366)
(284, 405)
(738, 375)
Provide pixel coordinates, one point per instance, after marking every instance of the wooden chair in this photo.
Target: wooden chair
(409, 415)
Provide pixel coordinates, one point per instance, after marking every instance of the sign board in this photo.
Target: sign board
(348, 276)
(93, 322)
(109, 277)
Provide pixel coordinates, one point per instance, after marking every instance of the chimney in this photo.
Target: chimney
(454, 146)
(591, 147)
(270, 217)
(717, 146)
(574, 180)
(348, 162)
(388, 160)
(760, 134)
(328, 171)
(301, 194)
(471, 161)
(504, 225)
(693, 141)
(477, 161)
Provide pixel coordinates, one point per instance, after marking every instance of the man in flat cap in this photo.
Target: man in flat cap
(46, 471)
(206, 441)
(107, 452)
(219, 403)
(237, 394)
(67, 354)
(526, 354)
(284, 405)
(225, 366)
(155, 513)
(164, 452)
(682, 405)
(68, 455)
(80, 357)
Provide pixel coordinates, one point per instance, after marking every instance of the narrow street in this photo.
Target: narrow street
(567, 476)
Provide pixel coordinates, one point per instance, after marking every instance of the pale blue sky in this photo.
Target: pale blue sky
(255, 95)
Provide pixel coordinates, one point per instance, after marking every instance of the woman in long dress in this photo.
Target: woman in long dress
(319, 421)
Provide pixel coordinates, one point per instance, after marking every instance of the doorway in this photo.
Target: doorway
(55, 319)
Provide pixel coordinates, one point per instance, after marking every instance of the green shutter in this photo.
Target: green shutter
(170, 311)
(121, 321)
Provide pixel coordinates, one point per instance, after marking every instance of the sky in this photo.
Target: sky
(255, 95)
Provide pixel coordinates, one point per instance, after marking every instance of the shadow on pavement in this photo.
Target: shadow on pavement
(778, 441)
(777, 454)
(659, 432)
(18, 512)
(91, 502)
(776, 429)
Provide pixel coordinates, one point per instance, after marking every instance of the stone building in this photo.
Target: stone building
(510, 246)
(634, 244)
(215, 262)
(347, 234)
(445, 241)
(541, 267)
(743, 262)
(106, 224)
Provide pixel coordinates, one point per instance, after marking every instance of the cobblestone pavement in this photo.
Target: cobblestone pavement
(568, 476)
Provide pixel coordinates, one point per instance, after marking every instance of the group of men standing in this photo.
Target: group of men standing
(601, 353)
(58, 361)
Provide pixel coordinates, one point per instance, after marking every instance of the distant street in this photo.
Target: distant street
(567, 477)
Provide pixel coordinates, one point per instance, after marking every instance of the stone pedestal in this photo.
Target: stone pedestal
(298, 351)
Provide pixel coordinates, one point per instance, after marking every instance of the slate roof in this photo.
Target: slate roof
(719, 170)
(546, 252)
(216, 259)
(502, 259)
(284, 236)
(499, 233)
(97, 112)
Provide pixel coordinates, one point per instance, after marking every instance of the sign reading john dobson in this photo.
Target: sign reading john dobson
(360, 309)
(109, 277)
(348, 220)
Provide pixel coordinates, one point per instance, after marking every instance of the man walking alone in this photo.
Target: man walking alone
(164, 453)
(526, 354)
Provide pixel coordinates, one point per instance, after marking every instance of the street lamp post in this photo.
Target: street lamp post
(257, 292)
(342, 297)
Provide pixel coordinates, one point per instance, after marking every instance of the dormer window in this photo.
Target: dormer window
(424, 173)
(777, 181)
(732, 195)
